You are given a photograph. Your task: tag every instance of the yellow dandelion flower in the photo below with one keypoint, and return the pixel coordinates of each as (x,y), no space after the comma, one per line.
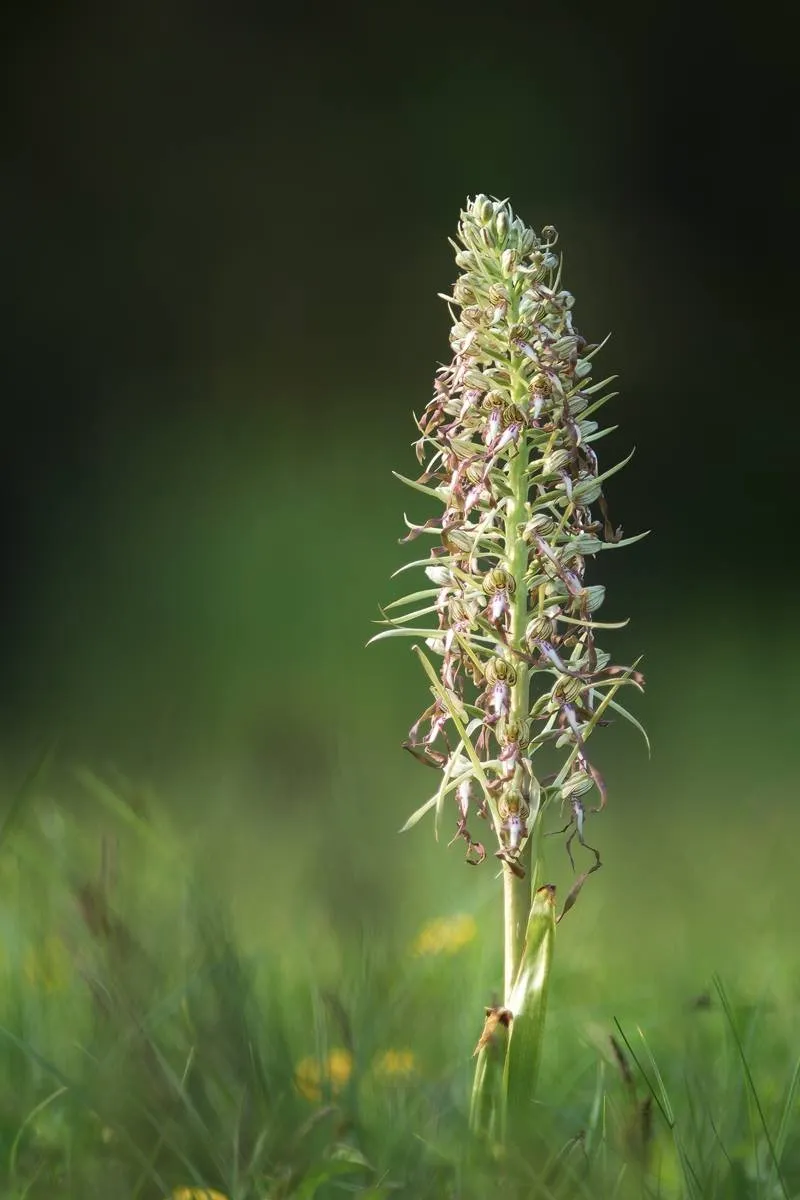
(195,1193)
(445,935)
(395,1066)
(311,1076)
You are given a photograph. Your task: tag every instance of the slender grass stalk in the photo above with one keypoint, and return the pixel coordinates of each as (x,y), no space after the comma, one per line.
(507,449)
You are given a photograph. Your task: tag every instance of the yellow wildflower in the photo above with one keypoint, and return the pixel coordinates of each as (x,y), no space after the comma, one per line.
(395,1066)
(311,1076)
(195,1193)
(445,935)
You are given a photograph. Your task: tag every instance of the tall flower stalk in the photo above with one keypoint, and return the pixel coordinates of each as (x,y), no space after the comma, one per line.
(507,450)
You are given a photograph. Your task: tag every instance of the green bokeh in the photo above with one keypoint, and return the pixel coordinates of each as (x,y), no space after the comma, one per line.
(203,627)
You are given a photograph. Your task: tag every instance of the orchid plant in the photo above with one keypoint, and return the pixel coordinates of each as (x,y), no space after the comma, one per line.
(506,630)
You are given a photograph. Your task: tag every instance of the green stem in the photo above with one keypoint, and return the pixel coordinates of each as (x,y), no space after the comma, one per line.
(516,907)
(517,891)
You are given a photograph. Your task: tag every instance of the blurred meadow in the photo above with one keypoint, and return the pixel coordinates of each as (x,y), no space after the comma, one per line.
(220,313)
(208,641)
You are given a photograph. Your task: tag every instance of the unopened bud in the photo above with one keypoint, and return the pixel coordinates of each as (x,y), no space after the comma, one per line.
(508,262)
(586,491)
(577,784)
(482,209)
(463,291)
(540,629)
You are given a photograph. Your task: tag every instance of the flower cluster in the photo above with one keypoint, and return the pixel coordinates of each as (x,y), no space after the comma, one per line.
(507,446)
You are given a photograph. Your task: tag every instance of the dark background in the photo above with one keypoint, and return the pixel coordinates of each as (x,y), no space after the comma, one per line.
(224,233)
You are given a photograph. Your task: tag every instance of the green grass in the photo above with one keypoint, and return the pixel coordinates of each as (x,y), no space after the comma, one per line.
(155,1036)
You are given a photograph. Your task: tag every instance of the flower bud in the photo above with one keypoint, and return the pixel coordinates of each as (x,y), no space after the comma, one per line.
(576,784)
(586,491)
(540,629)
(508,261)
(584,544)
(462,539)
(519,236)
(527,241)
(566,346)
(463,291)
(442,576)
(541,524)
(482,210)
(590,599)
(555,462)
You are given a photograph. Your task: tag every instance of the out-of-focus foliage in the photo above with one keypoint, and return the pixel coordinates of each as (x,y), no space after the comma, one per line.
(154,1047)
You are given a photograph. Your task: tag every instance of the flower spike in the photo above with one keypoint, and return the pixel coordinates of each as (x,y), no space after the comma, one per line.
(507,450)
